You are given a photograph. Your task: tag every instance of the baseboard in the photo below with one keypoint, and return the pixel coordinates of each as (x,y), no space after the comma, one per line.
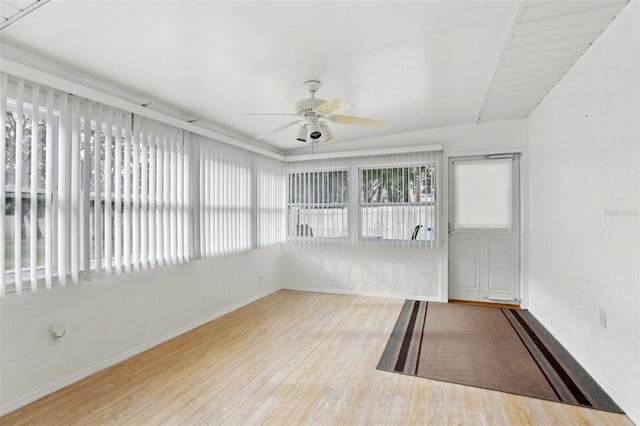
(363,293)
(60,384)
(627,406)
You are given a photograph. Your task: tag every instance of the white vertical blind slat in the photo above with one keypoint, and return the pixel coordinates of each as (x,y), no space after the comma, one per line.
(3,158)
(144,190)
(117,210)
(33,219)
(219,191)
(258,203)
(159,195)
(405,183)
(202,188)
(220,225)
(49,201)
(234,204)
(183,193)
(135,189)
(86,192)
(64,190)
(266,226)
(250,203)
(75,190)
(124,123)
(227,230)
(17,229)
(173,200)
(217,183)
(187,172)
(206,192)
(230,205)
(178,229)
(216,214)
(247,195)
(220,232)
(241,195)
(152,194)
(166,197)
(108,212)
(195,217)
(97,192)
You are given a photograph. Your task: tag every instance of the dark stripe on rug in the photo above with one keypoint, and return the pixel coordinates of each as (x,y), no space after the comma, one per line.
(589,387)
(406,342)
(542,370)
(424,321)
(390,354)
(568,382)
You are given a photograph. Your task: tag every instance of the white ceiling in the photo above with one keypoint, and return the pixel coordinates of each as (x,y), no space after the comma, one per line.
(416,65)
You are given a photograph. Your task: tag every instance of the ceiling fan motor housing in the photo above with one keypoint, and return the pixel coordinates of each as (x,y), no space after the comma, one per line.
(306,106)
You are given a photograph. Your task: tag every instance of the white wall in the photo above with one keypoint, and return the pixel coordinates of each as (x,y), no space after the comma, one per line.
(374,269)
(584,200)
(377,269)
(112,318)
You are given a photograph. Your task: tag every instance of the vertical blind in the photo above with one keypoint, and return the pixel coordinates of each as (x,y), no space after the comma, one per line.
(270,187)
(319,201)
(89,189)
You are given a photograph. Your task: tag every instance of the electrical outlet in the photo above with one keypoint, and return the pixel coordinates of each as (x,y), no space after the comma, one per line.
(260,279)
(603,318)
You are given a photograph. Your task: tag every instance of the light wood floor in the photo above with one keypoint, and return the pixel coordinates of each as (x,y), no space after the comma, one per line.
(290,358)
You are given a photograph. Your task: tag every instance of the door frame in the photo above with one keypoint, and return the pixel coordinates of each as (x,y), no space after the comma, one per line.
(524,217)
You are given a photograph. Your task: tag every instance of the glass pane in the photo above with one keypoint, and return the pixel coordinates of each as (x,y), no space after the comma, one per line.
(483,194)
(396,185)
(398,222)
(318,187)
(323,222)
(318,204)
(397,203)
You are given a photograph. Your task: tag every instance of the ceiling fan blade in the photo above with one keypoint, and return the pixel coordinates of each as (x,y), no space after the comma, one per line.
(357,121)
(331,106)
(295,115)
(277,129)
(329,141)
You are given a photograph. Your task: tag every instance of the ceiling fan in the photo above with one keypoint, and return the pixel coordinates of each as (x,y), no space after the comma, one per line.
(316,112)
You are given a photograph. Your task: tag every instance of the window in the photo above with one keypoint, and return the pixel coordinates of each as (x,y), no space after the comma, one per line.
(225,200)
(270,188)
(89,189)
(395,199)
(29,139)
(483,193)
(398,203)
(318,204)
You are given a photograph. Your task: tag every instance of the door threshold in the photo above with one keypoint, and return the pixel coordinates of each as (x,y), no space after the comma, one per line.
(487,304)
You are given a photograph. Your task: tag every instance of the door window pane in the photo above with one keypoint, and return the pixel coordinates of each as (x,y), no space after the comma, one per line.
(483,194)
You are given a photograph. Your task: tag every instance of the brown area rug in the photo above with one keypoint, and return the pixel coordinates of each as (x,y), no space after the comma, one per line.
(501,349)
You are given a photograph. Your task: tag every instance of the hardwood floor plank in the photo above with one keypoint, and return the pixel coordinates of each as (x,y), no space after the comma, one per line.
(290,358)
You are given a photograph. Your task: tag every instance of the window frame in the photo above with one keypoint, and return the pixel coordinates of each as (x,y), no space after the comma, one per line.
(345,204)
(433,203)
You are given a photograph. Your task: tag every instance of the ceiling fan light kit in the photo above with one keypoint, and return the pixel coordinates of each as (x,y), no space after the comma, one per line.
(302,133)
(314,128)
(314,111)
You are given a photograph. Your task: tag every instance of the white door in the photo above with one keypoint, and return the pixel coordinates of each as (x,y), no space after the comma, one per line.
(484,228)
